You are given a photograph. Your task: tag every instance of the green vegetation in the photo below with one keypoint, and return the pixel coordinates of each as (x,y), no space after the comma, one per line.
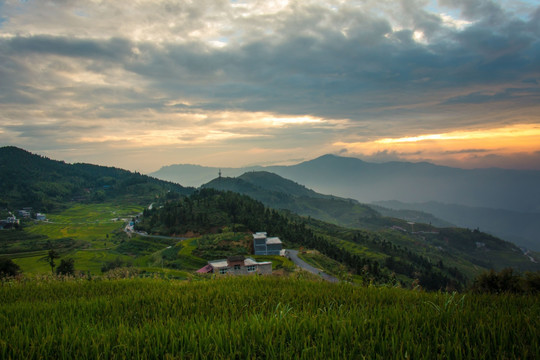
(434,258)
(218,224)
(507,281)
(30,180)
(279,193)
(323,262)
(259,317)
(8,268)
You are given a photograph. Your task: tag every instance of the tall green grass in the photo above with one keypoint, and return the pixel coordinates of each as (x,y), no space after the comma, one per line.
(258,317)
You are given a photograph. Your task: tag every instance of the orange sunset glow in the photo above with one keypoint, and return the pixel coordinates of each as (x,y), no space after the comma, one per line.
(455,146)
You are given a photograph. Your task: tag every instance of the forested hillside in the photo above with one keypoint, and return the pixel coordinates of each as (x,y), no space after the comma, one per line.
(280,193)
(386,256)
(30,180)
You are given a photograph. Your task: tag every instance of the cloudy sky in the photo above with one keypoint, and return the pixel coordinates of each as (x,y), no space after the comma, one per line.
(144,83)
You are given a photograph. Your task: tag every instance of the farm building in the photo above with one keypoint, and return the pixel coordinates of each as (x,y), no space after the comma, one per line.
(237,265)
(264,245)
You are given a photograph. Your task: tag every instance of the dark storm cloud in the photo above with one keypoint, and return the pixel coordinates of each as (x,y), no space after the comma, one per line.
(310,64)
(113,49)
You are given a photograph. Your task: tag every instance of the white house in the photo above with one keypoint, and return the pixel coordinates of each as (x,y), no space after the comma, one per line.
(263,245)
(237,265)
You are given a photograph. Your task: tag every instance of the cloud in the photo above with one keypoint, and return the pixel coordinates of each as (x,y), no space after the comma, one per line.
(325,72)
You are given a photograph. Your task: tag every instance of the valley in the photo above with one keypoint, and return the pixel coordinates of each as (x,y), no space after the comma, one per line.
(188,227)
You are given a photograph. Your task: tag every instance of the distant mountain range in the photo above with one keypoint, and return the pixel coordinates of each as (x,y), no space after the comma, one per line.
(516,190)
(513,195)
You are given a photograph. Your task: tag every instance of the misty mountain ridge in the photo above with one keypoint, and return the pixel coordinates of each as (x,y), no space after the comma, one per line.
(512,195)
(515,190)
(519,227)
(279,193)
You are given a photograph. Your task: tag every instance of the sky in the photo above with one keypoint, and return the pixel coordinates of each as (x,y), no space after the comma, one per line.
(145,83)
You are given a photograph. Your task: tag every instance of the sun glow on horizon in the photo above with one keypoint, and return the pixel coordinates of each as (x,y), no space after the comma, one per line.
(505,132)
(459,146)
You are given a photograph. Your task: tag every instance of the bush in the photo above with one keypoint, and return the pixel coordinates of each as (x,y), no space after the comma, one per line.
(110,265)
(66,267)
(8,268)
(506,281)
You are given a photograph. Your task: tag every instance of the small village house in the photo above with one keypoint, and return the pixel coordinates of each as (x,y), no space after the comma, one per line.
(237,265)
(263,245)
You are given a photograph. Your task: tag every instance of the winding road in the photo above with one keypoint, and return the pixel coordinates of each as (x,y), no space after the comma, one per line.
(293,255)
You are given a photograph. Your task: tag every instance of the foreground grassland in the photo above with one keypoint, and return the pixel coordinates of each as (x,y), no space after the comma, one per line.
(258,317)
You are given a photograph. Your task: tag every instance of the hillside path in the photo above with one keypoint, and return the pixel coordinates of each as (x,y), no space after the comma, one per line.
(293,255)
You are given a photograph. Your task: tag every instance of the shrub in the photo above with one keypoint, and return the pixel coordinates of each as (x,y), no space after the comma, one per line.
(8,268)
(66,267)
(506,281)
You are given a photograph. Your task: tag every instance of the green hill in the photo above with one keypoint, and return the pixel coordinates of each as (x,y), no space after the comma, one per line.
(437,258)
(30,180)
(279,193)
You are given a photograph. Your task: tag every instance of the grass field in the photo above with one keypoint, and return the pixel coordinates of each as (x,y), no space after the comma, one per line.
(259,318)
(87,222)
(92,235)
(323,262)
(88,233)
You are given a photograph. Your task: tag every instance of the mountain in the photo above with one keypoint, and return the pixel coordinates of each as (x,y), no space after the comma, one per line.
(30,180)
(196,175)
(515,190)
(519,227)
(279,193)
(409,214)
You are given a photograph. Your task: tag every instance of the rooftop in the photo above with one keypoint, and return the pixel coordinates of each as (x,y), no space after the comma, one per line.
(273,240)
(222,263)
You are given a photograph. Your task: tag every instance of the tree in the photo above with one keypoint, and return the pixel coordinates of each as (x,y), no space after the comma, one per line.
(50,258)
(8,268)
(506,281)
(66,267)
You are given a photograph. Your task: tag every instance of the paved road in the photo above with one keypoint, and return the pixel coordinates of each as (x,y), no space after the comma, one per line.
(293,255)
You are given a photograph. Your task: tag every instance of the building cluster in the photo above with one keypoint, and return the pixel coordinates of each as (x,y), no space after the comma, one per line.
(237,265)
(9,223)
(12,221)
(240,265)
